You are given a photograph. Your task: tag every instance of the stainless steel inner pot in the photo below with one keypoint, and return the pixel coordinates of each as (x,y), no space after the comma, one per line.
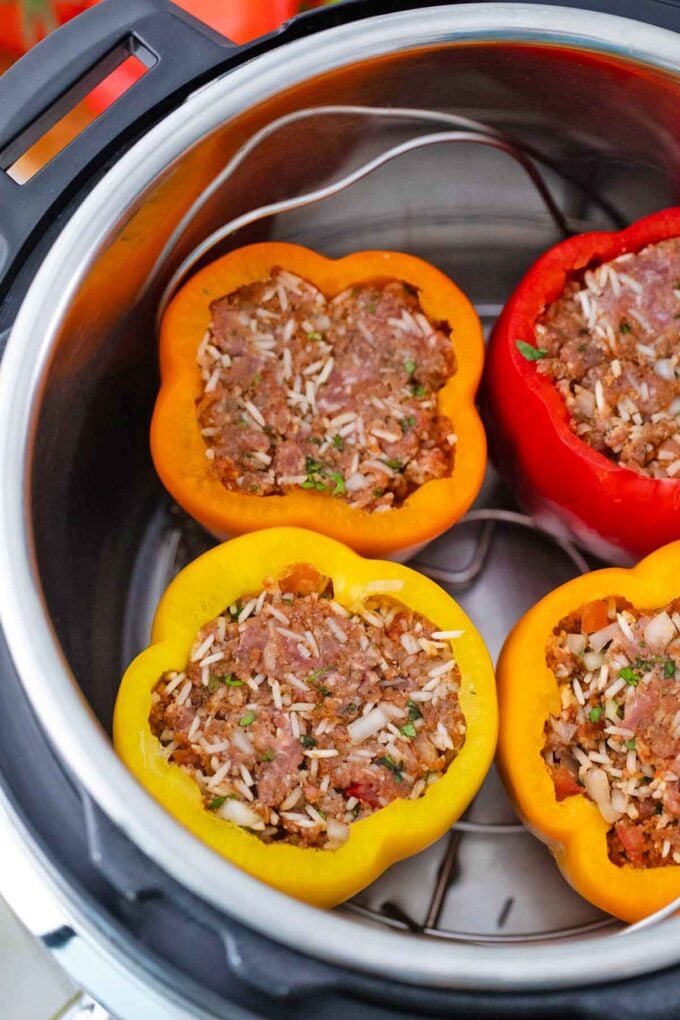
(88,538)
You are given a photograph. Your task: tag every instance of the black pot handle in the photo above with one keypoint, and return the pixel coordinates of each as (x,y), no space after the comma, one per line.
(182,52)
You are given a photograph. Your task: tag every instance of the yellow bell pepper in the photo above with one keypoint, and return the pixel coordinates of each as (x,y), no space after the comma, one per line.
(199,594)
(573,828)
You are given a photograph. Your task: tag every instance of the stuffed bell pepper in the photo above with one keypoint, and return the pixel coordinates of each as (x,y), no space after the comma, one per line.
(335,395)
(583,388)
(311,715)
(589,690)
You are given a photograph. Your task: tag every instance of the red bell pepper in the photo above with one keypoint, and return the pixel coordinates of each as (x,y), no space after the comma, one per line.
(566,484)
(25,22)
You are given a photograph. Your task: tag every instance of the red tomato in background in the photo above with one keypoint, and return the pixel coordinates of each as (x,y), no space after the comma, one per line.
(238,20)
(25,22)
(242,20)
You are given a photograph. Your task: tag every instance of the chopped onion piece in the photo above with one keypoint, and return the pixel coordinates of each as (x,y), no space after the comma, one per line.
(237,811)
(576,643)
(366,725)
(593,660)
(601,637)
(584,401)
(597,784)
(665,368)
(564,730)
(660,631)
(619,801)
(356,482)
(609,814)
(338,833)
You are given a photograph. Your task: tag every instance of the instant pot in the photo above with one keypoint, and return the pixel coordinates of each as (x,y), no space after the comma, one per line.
(474,135)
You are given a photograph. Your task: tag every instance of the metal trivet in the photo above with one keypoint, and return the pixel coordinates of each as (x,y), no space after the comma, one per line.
(182,540)
(448,871)
(468,131)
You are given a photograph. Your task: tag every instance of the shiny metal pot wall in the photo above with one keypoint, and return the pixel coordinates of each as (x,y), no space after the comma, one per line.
(79,560)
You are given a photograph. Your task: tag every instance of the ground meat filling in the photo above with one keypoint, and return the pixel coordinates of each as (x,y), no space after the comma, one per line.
(617,738)
(296,716)
(336,396)
(613,345)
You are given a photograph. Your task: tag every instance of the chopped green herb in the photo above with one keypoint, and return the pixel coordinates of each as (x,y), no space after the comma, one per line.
(319,672)
(351,707)
(581,348)
(315,440)
(253,488)
(371,307)
(229,680)
(643,665)
(307,741)
(247,719)
(325,693)
(529,352)
(338,442)
(624,327)
(407,423)
(395,767)
(235,609)
(669,668)
(395,463)
(315,336)
(413,710)
(419,391)
(216,803)
(257,379)
(356,809)
(620,711)
(213,683)
(630,745)
(629,675)
(410,366)
(595,714)
(377,493)
(408,730)
(314,470)
(340,487)
(268,755)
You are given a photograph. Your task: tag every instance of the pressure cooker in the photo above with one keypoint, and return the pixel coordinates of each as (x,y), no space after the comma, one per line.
(334,132)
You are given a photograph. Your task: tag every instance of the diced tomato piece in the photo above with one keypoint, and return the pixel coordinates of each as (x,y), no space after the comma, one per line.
(565,783)
(303,579)
(594,616)
(632,839)
(364,793)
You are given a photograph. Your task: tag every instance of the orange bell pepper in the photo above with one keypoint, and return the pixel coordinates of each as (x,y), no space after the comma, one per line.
(573,827)
(199,594)
(178,448)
